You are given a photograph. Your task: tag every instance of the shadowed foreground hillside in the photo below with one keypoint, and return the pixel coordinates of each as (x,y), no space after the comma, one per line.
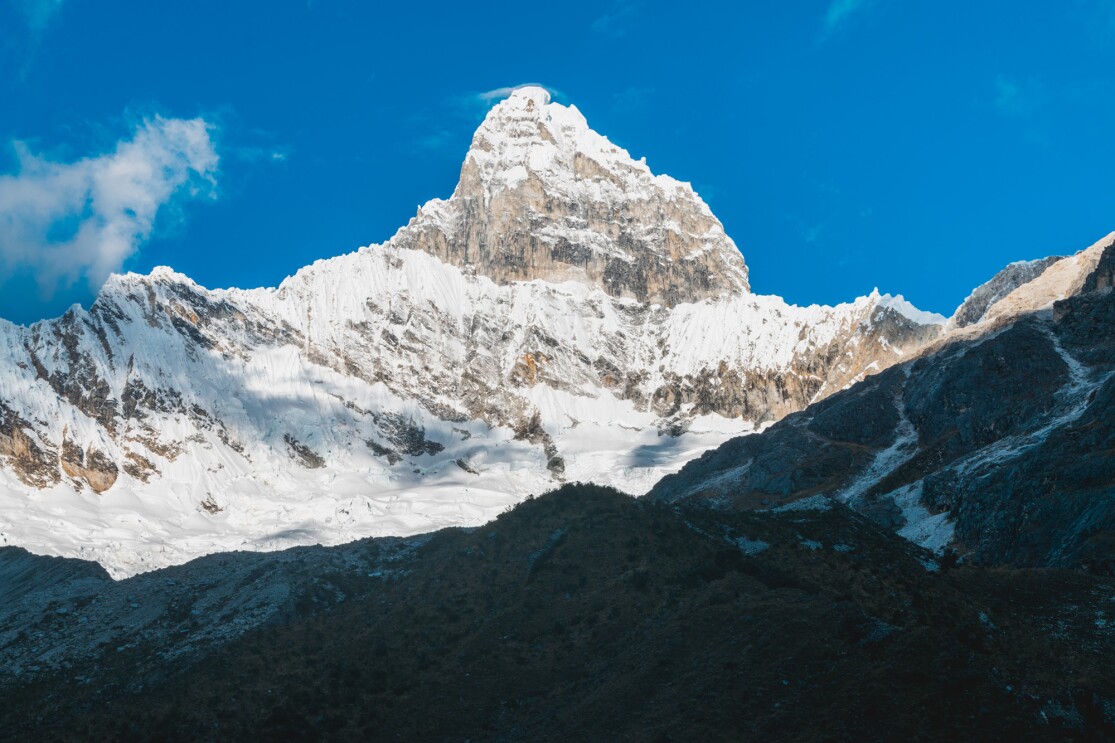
(586,615)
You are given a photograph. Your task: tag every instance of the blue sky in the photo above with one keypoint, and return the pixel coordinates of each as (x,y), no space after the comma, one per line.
(912,145)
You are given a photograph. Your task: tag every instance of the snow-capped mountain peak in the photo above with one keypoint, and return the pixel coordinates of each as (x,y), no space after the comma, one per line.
(566,314)
(527,134)
(543,196)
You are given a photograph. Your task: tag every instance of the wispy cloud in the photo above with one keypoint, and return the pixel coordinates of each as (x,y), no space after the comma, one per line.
(811,233)
(449,130)
(488,97)
(68,222)
(841,12)
(255,154)
(616,21)
(37,16)
(1018,97)
(39,13)
(474,106)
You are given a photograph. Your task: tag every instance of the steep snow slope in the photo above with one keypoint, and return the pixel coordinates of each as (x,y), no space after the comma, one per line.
(422,383)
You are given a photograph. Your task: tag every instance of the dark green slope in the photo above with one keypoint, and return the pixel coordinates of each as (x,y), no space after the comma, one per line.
(586,615)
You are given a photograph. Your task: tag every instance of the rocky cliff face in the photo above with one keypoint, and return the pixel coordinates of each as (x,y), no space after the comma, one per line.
(996,443)
(1003,283)
(565,315)
(542,196)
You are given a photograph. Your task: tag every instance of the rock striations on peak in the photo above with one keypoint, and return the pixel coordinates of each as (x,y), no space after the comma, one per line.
(543,196)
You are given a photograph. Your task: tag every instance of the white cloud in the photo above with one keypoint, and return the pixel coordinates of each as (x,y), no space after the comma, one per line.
(497,94)
(466,111)
(476,105)
(65,222)
(840,11)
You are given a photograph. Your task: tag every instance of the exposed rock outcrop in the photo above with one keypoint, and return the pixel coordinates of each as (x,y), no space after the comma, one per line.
(26,455)
(89,465)
(542,196)
(1003,283)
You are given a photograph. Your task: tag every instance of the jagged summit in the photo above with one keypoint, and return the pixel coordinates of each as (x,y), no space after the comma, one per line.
(526,134)
(543,196)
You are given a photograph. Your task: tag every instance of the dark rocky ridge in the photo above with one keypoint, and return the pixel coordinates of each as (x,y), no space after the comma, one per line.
(1001,284)
(1009,433)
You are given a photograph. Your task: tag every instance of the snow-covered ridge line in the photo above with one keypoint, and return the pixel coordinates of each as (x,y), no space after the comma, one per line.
(381,392)
(587,321)
(899,304)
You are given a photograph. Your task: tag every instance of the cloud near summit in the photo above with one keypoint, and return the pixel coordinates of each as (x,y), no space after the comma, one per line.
(68,222)
(497,94)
